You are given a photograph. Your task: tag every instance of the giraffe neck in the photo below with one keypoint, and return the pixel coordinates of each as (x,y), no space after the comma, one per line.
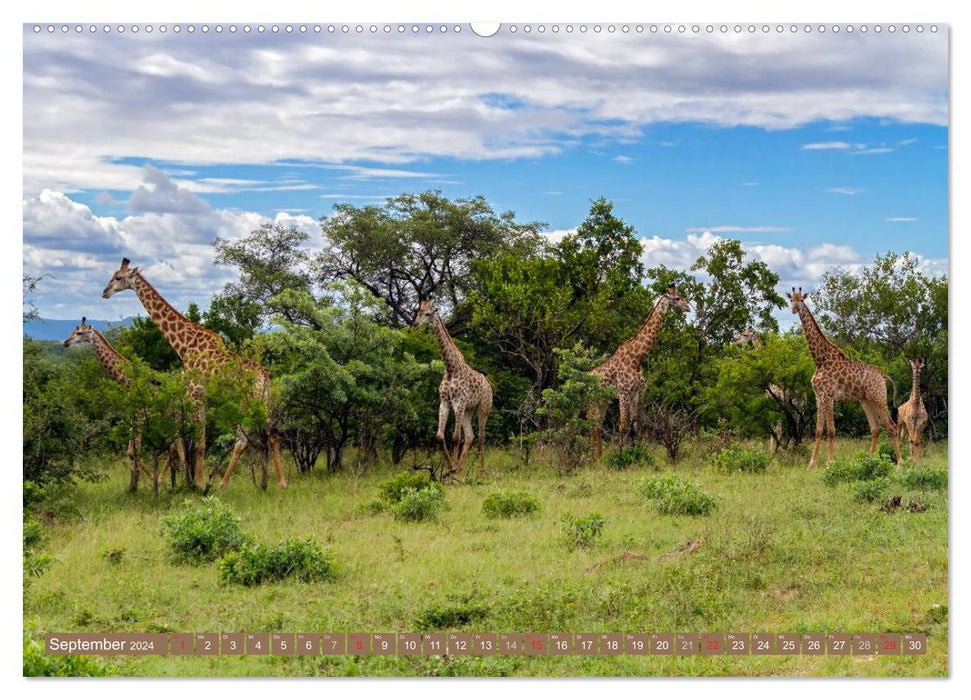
(820,347)
(109,358)
(641,343)
(192,343)
(451,355)
(915,385)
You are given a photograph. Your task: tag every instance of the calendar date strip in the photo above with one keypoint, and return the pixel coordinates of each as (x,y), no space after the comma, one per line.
(486,644)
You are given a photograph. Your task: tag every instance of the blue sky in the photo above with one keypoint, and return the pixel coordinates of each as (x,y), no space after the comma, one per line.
(812,150)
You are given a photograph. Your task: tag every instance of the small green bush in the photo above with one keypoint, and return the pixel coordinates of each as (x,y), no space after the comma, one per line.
(38,663)
(582,531)
(509,504)
(258,563)
(452,614)
(636,455)
(871,491)
(417,505)
(672,495)
(395,488)
(36,561)
(737,459)
(864,467)
(925,478)
(203,532)
(885,449)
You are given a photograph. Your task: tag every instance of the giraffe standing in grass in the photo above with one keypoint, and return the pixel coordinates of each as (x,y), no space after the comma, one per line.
(115,365)
(463,391)
(200,349)
(622,370)
(837,378)
(912,416)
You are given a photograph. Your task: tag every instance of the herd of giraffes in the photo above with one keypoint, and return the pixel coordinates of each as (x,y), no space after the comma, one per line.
(466,393)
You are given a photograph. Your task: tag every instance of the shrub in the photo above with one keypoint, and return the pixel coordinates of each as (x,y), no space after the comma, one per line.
(634,456)
(737,459)
(509,504)
(395,488)
(417,505)
(885,449)
(36,562)
(673,495)
(582,531)
(458,612)
(257,563)
(871,491)
(864,467)
(203,532)
(38,662)
(925,478)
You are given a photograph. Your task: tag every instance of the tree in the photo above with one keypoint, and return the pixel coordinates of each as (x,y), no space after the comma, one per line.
(270,259)
(417,246)
(587,286)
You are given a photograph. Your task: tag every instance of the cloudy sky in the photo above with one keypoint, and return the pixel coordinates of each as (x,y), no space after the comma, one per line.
(814,149)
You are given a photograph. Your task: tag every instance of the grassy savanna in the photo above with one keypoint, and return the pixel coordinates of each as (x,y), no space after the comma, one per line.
(780,552)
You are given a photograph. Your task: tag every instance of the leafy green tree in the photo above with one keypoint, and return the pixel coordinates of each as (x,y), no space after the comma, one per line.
(587,286)
(417,246)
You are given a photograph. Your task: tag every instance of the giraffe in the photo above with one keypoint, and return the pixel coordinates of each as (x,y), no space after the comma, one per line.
(772,391)
(912,416)
(837,378)
(622,370)
(463,391)
(115,365)
(203,350)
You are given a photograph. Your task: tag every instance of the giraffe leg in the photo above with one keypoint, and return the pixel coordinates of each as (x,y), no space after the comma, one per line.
(468,437)
(274,439)
(831,429)
(238,449)
(624,420)
(820,420)
(440,434)
(200,451)
(871,418)
(884,415)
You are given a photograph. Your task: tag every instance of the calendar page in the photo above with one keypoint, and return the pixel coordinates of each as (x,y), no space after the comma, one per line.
(521,349)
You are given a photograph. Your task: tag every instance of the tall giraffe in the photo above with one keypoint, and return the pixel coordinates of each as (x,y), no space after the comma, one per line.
(622,370)
(912,416)
(463,391)
(115,365)
(772,391)
(200,349)
(837,378)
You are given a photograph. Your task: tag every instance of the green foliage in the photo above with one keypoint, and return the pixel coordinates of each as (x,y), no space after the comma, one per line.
(565,408)
(925,478)
(419,505)
(635,455)
(864,467)
(455,613)
(885,449)
(510,504)
(143,339)
(38,663)
(257,563)
(36,561)
(582,531)
(871,491)
(737,459)
(203,532)
(673,495)
(393,489)
(416,246)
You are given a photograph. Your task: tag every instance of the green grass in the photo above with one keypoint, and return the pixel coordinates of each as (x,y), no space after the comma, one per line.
(782,552)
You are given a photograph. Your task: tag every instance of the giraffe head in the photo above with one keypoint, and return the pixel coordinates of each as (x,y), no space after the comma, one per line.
(121,280)
(82,334)
(798,299)
(749,335)
(916,363)
(674,300)
(427,311)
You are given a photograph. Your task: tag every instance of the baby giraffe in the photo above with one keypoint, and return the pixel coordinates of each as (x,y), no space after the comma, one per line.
(912,416)
(463,391)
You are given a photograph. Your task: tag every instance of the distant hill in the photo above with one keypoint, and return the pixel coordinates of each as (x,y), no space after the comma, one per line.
(60,329)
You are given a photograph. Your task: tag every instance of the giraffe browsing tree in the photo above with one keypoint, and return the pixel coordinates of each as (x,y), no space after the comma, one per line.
(117,366)
(622,370)
(912,416)
(463,392)
(203,351)
(837,378)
